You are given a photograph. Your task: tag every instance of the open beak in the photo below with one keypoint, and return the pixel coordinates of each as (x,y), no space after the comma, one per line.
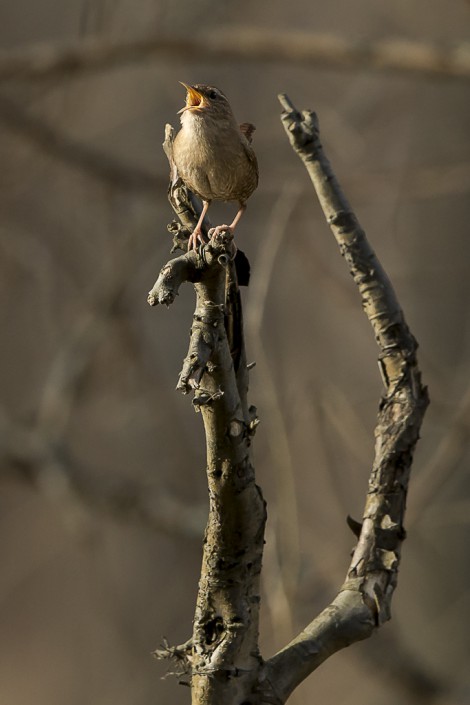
(194,99)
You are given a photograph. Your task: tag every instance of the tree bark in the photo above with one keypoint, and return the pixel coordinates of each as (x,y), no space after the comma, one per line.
(223,656)
(364,601)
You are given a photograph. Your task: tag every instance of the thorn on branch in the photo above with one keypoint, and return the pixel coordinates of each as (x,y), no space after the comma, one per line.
(254,420)
(355,526)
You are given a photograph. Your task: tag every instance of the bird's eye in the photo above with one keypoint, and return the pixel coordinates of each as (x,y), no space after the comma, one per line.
(213,95)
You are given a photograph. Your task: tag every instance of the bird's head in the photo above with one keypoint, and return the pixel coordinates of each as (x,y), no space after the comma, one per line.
(201,99)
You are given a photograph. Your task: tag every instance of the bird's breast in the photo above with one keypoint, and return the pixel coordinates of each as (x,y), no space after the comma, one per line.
(215,160)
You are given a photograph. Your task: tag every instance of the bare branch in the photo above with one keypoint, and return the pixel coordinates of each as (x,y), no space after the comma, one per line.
(240,43)
(364,600)
(224,646)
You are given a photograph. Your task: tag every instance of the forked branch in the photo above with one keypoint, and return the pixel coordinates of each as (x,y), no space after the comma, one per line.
(223,655)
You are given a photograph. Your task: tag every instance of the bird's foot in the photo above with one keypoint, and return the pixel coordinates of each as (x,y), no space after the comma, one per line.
(222,236)
(195,238)
(217,231)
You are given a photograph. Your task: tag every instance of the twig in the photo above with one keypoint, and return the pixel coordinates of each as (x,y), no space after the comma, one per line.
(241,43)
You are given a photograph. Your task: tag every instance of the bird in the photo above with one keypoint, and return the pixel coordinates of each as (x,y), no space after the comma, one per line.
(213,155)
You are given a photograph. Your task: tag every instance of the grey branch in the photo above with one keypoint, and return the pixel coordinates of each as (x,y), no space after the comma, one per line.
(223,655)
(240,43)
(363,602)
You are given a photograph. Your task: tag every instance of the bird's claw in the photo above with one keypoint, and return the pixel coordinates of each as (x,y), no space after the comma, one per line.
(219,229)
(222,236)
(195,238)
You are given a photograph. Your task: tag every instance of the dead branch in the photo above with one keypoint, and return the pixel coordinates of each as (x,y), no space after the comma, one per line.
(224,660)
(224,647)
(363,603)
(240,43)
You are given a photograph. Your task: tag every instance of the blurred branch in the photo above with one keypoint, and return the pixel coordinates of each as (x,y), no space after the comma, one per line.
(72,361)
(52,141)
(240,43)
(287,535)
(39,452)
(431,181)
(46,465)
(445,460)
(411,680)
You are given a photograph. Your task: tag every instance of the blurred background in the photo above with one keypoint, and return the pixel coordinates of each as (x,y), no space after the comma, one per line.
(103,489)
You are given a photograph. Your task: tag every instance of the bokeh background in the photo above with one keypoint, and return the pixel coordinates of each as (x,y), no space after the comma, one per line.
(103,490)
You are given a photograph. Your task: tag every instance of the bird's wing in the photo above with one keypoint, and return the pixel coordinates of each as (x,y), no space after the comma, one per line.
(247,129)
(168,149)
(252,175)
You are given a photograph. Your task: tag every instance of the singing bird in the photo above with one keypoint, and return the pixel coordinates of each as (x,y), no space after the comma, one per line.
(213,154)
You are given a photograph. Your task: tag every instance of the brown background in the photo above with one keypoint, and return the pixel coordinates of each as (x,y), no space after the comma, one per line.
(88,587)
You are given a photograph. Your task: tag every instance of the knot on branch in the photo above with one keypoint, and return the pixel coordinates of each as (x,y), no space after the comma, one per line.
(206,332)
(253,420)
(205,335)
(180,234)
(345,221)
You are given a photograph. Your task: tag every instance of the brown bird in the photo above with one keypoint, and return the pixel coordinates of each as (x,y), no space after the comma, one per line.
(213,154)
